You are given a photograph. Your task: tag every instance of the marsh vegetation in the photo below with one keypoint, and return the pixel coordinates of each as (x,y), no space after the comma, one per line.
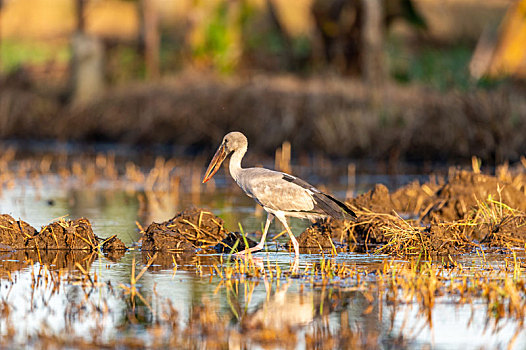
(420,252)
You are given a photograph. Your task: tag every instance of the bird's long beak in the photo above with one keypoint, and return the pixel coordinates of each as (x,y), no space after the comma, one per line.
(215,163)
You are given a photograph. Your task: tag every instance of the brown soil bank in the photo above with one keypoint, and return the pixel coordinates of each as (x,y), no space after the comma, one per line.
(328,115)
(441,217)
(60,235)
(437,218)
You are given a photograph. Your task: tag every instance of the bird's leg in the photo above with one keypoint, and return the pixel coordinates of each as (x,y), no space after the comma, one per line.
(261,243)
(291,235)
(295,266)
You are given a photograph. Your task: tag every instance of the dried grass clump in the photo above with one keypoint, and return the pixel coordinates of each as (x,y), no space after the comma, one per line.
(400,237)
(495,224)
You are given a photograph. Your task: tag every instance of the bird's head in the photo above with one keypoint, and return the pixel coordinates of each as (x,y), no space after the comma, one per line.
(231,142)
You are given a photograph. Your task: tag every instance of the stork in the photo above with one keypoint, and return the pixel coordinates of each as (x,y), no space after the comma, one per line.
(280,194)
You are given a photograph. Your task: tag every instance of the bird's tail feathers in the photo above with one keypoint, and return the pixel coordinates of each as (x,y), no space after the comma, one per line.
(333,207)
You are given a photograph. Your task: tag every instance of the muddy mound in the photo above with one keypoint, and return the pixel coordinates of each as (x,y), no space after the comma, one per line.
(376,200)
(160,237)
(415,198)
(316,238)
(233,243)
(113,244)
(59,235)
(70,234)
(188,230)
(410,199)
(445,201)
(113,248)
(14,234)
(387,234)
(465,190)
(440,218)
(369,232)
(434,240)
(326,234)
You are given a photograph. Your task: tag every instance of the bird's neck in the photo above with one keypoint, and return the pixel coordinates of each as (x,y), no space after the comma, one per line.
(235,162)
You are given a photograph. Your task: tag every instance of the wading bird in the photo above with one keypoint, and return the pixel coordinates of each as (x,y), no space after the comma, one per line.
(280,194)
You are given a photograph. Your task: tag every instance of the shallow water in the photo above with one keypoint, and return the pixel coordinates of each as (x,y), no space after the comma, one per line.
(45,303)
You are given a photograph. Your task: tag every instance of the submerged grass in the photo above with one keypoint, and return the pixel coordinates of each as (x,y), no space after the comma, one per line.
(422,283)
(289,314)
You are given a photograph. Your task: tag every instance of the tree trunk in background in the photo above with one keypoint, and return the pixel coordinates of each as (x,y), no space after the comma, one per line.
(282,31)
(87,68)
(1,3)
(373,31)
(149,37)
(87,62)
(80,14)
(339,24)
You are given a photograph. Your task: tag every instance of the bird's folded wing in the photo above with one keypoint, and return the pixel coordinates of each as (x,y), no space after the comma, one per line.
(271,190)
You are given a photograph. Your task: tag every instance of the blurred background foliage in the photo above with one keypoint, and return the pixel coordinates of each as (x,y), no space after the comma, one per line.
(423,38)
(79,51)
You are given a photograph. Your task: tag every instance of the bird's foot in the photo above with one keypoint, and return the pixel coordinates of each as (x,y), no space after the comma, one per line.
(250,250)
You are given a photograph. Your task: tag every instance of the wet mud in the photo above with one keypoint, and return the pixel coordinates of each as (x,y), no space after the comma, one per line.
(113,248)
(187,231)
(466,190)
(190,231)
(60,235)
(75,234)
(14,234)
(319,237)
